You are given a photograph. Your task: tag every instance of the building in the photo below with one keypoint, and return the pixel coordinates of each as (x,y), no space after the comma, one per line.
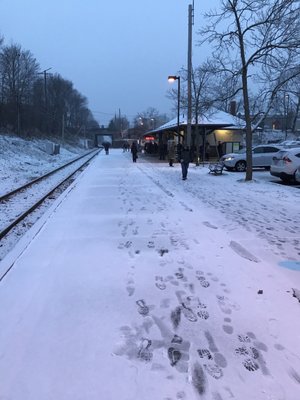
(215,127)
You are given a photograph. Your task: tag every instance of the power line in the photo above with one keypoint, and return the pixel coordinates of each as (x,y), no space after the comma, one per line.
(113,114)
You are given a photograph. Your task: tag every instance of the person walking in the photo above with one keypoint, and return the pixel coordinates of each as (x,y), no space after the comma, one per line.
(185,158)
(106,147)
(171,152)
(134,150)
(162,151)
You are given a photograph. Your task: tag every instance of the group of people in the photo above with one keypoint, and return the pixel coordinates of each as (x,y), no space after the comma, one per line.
(180,152)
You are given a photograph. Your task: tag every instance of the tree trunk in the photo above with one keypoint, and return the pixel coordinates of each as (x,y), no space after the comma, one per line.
(248,127)
(296,115)
(245,96)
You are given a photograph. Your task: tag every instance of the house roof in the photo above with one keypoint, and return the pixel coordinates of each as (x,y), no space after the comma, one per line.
(213,118)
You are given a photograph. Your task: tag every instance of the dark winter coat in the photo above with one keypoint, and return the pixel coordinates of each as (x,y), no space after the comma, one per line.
(185,155)
(134,148)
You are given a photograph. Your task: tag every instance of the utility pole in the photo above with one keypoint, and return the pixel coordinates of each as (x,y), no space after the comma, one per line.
(18,95)
(189,63)
(45,95)
(63,128)
(120,123)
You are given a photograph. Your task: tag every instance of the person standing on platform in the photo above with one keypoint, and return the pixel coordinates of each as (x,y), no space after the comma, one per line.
(171,152)
(106,147)
(185,158)
(134,151)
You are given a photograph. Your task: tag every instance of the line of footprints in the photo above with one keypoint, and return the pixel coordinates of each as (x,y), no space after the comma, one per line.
(193,309)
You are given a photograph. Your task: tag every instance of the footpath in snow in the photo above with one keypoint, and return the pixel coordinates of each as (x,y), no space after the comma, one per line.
(137,285)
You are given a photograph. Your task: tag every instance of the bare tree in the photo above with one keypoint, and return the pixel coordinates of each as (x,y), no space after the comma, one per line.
(293,90)
(261,37)
(118,124)
(210,88)
(23,92)
(149,119)
(19,70)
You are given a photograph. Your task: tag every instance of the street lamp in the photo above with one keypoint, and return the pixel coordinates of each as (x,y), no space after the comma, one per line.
(153,122)
(173,78)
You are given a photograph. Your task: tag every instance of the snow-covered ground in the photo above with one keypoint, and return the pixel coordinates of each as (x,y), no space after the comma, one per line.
(137,285)
(23,160)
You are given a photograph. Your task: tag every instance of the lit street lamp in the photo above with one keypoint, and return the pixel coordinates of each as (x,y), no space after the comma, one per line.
(153,122)
(173,78)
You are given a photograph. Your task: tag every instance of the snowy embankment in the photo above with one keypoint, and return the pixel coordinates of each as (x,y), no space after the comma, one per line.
(22,161)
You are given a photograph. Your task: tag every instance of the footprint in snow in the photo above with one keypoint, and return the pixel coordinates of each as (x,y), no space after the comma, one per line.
(159,283)
(142,308)
(209,225)
(144,352)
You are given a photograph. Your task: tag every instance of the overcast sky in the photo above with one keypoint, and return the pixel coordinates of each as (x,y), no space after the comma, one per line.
(117,53)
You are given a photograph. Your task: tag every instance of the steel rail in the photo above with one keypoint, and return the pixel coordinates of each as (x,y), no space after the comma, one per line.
(40,178)
(8,228)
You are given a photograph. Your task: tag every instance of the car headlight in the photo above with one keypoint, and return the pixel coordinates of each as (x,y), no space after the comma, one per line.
(228,158)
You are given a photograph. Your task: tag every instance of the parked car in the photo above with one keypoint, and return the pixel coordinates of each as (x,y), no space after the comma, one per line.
(297,175)
(262,156)
(290,143)
(285,164)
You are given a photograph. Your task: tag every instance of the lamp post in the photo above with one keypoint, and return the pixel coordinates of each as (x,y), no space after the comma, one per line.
(153,123)
(173,78)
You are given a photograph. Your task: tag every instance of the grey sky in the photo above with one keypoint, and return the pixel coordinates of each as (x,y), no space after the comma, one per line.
(117,53)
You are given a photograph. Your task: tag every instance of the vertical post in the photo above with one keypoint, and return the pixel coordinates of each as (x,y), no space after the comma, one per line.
(46,97)
(203,146)
(18,115)
(189,63)
(18,96)
(173,78)
(45,90)
(120,123)
(178,110)
(46,100)
(63,127)
(286,107)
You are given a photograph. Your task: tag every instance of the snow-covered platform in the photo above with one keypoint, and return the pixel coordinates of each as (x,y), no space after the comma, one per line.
(139,286)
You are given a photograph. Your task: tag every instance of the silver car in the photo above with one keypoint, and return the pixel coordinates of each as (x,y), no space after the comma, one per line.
(262,156)
(285,164)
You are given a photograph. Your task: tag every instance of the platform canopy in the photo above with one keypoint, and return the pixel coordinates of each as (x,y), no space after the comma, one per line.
(212,119)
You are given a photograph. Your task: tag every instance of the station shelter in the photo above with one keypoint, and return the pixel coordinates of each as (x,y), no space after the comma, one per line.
(225,133)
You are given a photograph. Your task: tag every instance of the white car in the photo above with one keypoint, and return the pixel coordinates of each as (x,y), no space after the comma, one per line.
(290,143)
(285,164)
(262,156)
(297,175)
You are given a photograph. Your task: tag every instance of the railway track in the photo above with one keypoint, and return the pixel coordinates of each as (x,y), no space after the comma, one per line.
(19,203)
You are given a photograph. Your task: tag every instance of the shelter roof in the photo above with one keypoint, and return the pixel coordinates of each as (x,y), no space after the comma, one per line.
(212,119)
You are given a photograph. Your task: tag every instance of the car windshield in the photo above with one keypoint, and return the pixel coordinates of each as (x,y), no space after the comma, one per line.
(241,151)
